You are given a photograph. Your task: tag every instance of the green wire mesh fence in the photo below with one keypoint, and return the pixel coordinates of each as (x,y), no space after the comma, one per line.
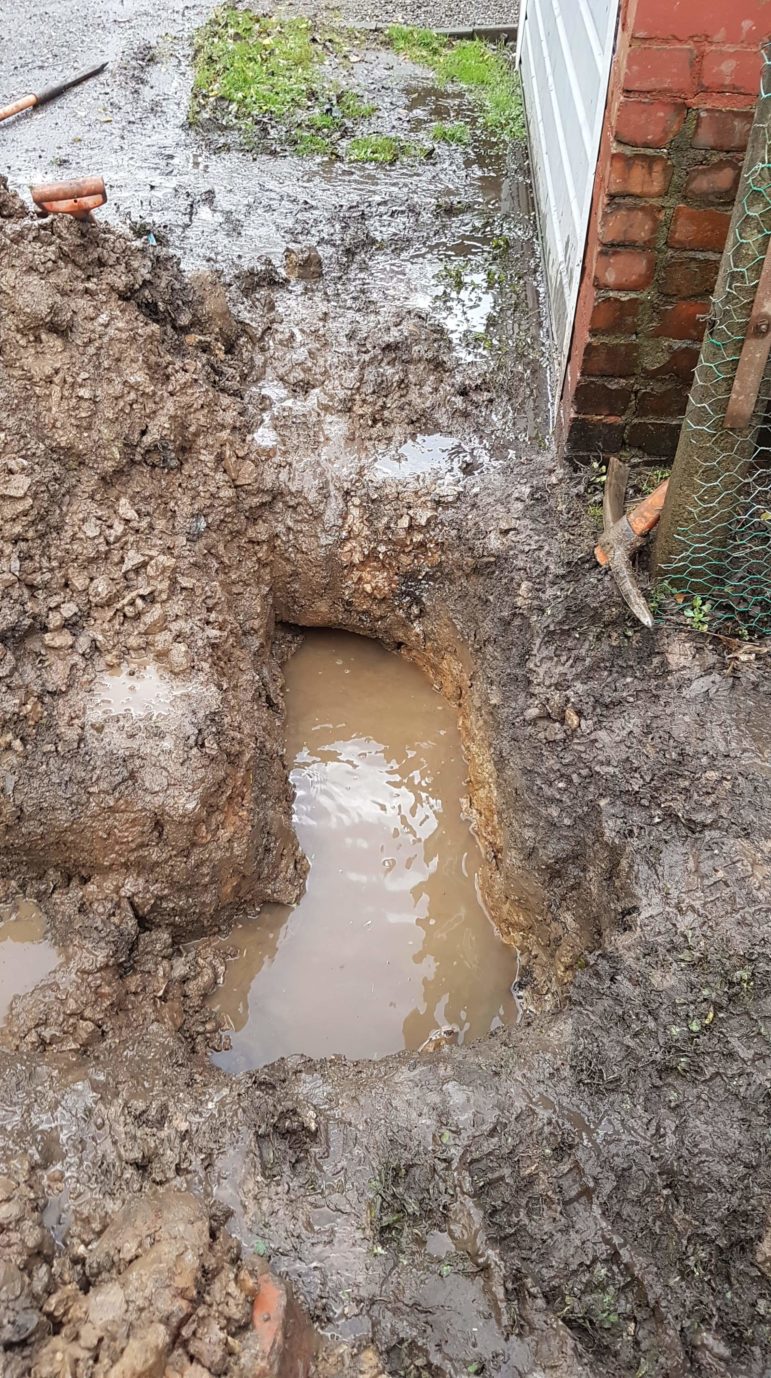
(714,546)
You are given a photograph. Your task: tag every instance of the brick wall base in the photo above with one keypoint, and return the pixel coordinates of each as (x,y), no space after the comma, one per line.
(680,108)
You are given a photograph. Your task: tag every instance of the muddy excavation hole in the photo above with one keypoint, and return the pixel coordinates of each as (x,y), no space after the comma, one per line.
(390,946)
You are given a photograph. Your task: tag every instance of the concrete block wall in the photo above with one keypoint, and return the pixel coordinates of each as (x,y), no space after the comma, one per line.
(680,107)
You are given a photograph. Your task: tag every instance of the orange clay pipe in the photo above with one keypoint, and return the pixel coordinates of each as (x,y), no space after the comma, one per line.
(78,198)
(50,93)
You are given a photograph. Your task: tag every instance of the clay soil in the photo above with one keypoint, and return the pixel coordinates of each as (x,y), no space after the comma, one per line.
(199,454)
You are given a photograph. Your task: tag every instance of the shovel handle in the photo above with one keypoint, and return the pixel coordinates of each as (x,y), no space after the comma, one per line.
(50,93)
(23,103)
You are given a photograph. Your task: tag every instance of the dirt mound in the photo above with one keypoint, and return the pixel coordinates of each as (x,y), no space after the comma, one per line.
(140,727)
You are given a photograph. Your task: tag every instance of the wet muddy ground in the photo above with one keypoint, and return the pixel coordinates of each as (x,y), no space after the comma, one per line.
(196,460)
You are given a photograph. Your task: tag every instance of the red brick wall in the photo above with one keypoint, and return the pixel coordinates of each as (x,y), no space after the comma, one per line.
(682,93)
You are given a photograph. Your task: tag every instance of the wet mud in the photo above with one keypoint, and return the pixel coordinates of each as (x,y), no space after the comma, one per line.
(300,425)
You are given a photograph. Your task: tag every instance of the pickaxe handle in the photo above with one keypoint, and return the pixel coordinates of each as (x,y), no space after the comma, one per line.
(50,93)
(630,529)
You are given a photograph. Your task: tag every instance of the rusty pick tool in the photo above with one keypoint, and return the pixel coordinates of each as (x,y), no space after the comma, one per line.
(50,93)
(624,533)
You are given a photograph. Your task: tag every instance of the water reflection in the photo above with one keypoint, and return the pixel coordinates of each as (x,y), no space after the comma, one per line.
(390,939)
(25,955)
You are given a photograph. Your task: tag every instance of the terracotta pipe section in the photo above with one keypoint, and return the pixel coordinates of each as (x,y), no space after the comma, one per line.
(60,191)
(78,198)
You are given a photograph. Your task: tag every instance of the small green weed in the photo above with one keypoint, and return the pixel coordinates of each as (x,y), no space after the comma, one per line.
(308,145)
(453,275)
(597,1309)
(381,148)
(652,478)
(458,133)
(698,613)
(486,71)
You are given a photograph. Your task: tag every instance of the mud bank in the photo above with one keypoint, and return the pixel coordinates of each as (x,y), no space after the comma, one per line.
(191,463)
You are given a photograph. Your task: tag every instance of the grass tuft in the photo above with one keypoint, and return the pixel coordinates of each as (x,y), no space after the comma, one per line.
(261,66)
(383,148)
(486,71)
(308,145)
(266,73)
(458,133)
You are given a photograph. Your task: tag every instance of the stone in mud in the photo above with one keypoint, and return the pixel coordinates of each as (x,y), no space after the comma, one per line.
(145,1355)
(19,1317)
(303,264)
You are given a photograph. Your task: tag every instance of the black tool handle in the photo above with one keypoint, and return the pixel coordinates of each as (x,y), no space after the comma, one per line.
(52,91)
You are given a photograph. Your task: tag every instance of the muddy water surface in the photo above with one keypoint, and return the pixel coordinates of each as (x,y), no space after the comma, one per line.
(25,955)
(391,940)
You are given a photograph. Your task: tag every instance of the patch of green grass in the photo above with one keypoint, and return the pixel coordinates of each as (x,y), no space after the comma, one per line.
(259,65)
(458,133)
(382,148)
(319,123)
(266,71)
(419,45)
(374,148)
(308,145)
(486,71)
(353,107)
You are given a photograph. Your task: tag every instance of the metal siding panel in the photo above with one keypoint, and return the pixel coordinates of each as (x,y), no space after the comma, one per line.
(551,207)
(565,57)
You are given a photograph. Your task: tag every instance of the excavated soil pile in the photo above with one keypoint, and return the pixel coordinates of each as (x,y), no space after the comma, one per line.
(583,1194)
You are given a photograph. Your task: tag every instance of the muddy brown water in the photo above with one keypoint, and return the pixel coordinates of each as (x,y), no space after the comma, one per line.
(25,954)
(391,940)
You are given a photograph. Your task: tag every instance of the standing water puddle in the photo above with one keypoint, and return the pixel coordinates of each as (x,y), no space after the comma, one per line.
(25,955)
(390,940)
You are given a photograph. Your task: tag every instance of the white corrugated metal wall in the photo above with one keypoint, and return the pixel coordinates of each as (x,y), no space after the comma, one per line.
(565,51)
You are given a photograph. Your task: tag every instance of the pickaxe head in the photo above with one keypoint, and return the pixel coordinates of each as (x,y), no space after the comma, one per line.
(624,533)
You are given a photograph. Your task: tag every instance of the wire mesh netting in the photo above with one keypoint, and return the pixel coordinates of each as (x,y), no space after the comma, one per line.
(716,553)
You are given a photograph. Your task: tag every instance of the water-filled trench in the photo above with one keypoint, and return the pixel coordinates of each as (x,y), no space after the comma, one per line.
(391,940)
